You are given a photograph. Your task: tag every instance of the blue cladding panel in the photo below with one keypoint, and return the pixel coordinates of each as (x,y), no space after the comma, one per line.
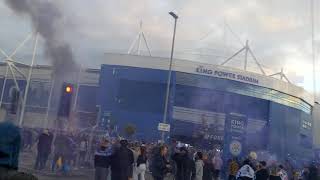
(37,97)
(286,134)
(8,89)
(87,98)
(134,96)
(1,84)
(141,96)
(38,94)
(220,101)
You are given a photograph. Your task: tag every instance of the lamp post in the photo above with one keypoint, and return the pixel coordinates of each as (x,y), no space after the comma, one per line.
(170,71)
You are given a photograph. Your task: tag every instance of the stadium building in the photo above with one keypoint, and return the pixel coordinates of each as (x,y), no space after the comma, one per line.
(209,105)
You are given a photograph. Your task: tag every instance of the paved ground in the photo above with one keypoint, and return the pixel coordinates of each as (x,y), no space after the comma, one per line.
(27,160)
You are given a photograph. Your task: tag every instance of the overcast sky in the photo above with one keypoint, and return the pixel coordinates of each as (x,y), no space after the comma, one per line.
(279,32)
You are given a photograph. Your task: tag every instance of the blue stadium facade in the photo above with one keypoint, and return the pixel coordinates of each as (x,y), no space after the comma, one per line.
(209,108)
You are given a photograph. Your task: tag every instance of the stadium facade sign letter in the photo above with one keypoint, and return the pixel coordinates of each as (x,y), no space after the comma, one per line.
(203,70)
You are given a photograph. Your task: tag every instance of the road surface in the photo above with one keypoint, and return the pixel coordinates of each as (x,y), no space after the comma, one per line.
(27,160)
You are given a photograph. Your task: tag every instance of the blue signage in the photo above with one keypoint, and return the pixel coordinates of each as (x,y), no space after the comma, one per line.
(235,135)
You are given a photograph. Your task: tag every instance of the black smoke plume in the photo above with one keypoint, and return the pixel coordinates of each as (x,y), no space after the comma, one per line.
(47,20)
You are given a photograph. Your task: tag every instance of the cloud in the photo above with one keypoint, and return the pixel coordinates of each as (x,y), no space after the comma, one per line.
(275,24)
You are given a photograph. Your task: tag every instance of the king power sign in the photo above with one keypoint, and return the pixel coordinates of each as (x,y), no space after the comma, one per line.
(227,75)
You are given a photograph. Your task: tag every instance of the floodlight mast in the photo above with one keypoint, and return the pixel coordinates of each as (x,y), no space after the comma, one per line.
(14,70)
(140,36)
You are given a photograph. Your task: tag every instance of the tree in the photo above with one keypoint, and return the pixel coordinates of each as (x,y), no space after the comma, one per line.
(130,130)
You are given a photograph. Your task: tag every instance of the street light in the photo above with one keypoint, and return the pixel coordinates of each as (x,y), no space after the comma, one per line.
(173,15)
(170,71)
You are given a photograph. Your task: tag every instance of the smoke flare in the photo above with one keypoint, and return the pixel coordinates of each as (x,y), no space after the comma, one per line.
(47,20)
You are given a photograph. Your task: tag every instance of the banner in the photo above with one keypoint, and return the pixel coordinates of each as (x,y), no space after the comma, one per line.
(235,135)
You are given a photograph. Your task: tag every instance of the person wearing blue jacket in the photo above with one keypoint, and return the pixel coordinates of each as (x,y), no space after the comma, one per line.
(10,140)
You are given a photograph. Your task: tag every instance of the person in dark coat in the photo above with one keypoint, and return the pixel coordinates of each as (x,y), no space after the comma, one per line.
(313,172)
(102,161)
(262,173)
(44,149)
(185,165)
(122,162)
(273,169)
(160,166)
(27,139)
(208,168)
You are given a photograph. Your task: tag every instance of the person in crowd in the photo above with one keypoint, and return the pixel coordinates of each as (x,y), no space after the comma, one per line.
(122,162)
(69,153)
(262,173)
(10,142)
(160,165)
(282,173)
(217,163)
(273,169)
(313,172)
(185,165)
(27,139)
(61,147)
(136,152)
(44,149)
(102,161)
(233,169)
(199,166)
(290,170)
(208,168)
(295,175)
(75,153)
(83,147)
(142,163)
(304,174)
(246,172)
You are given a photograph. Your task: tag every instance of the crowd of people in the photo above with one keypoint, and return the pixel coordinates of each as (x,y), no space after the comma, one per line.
(117,159)
(121,159)
(65,150)
(125,160)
